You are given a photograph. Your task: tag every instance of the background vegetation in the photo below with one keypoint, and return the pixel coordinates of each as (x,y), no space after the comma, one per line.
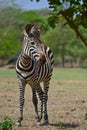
(68,50)
(72,12)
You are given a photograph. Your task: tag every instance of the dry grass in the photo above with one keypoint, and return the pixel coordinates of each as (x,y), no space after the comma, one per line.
(67,104)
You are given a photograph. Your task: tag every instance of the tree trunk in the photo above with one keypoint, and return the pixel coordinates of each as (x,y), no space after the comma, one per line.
(63,56)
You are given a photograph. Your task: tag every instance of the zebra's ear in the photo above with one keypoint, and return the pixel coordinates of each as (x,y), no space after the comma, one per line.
(28,28)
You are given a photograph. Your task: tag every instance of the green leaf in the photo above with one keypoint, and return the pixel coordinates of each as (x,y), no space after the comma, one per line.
(52,20)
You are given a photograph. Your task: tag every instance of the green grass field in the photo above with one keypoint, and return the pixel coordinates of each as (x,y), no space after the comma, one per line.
(67,104)
(70,74)
(58,74)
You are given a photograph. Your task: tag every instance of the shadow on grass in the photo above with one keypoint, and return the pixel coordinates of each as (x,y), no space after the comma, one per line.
(65,125)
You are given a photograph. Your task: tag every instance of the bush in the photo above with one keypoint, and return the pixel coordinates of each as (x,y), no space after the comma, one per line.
(6,124)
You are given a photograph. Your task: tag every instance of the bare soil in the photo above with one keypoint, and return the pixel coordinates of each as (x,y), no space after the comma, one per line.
(67,104)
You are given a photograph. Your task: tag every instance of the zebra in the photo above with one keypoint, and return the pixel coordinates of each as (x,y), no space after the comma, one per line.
(34,65)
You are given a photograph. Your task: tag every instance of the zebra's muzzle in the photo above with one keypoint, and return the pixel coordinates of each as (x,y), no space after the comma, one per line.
(42,59)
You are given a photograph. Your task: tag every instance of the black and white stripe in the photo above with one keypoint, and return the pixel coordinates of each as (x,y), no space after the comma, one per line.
(34,65)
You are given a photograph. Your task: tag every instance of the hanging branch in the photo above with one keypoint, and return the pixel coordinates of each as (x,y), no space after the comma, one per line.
(74,27)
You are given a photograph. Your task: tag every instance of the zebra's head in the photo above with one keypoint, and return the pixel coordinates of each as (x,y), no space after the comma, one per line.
(33,31)
(32,46)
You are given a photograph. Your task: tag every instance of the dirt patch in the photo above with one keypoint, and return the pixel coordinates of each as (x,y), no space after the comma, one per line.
(67,104)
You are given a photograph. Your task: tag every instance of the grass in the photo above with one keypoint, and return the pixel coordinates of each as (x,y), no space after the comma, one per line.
(70,74)
(58,74)
(7,73)
(60,126)
(86,116)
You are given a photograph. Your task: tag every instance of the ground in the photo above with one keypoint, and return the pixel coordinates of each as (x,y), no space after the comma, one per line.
(67,104)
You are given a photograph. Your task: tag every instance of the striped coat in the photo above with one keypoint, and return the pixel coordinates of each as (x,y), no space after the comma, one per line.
(34,65)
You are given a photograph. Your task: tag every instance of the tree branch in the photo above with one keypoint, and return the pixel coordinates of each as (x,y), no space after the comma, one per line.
(74,27)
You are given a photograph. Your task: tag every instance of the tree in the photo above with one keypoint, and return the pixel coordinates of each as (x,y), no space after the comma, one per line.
(67,49)
(12,22)
(72,12)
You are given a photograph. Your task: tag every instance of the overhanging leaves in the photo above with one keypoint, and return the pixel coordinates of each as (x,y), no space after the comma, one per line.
(73,11)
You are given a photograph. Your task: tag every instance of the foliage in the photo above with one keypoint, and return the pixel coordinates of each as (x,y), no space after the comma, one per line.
(65,45)
(10,40)
(62,40)
(72,12)
(12,22)
(6,124)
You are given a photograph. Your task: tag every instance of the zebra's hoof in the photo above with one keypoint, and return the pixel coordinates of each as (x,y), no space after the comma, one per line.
(38,124)
(18,124)
(46,122)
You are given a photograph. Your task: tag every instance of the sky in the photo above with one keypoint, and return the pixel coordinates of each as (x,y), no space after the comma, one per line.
(28,5)
(25,4)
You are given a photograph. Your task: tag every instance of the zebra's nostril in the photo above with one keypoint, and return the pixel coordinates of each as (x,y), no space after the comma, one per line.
(42,61)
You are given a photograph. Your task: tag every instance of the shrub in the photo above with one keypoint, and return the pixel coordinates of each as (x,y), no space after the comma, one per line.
(6,124)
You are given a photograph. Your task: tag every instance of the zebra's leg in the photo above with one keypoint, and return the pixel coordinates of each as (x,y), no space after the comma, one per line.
(45,99)
(35,101)
(21,100)
(40,94)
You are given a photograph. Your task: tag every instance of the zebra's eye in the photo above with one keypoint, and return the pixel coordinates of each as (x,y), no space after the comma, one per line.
(32,43)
